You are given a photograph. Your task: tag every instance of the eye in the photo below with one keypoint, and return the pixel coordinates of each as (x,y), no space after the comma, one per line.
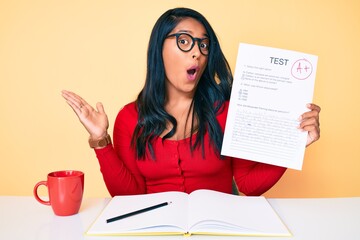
(204,45)
(184,40)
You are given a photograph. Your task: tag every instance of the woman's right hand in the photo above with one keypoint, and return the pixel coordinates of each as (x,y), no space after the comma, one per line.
(95,121)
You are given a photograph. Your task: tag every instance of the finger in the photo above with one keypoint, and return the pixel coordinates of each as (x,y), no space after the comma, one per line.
(74,107)
(77,101)
(65,94)
(313,132)
(311,114)
(307,125)
(309,122)
(314,107)
(73,100)
(100,108)
(69,96)
(74,103)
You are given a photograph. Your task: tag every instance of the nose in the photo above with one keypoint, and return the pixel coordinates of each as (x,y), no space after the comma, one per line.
(195,56)
(195,53)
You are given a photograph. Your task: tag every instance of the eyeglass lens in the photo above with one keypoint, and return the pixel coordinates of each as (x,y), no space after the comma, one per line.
(186,42)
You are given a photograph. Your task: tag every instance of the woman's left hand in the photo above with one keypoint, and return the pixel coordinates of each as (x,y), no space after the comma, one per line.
(309,121)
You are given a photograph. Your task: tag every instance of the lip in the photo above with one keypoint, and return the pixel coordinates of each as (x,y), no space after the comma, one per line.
(192,76)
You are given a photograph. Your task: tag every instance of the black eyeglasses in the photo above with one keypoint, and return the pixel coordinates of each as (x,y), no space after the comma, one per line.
(186,42)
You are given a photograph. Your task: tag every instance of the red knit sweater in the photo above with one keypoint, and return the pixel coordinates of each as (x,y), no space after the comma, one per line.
(176,168)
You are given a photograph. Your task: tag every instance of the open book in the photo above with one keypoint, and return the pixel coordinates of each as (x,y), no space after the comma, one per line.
(201,212)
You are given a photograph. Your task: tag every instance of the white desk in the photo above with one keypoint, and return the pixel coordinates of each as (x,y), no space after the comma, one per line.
(328,218)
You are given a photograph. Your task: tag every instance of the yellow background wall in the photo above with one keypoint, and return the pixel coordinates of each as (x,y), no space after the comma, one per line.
(98,49)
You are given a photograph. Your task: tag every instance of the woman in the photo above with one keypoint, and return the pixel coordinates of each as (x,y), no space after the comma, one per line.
(170,138)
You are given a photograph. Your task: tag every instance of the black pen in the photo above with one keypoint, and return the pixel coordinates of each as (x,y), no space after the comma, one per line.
(137,212)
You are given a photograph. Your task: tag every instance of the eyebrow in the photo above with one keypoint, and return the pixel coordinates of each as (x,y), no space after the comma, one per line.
(190,32)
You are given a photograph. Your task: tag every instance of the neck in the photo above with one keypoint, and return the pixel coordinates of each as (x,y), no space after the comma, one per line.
(181,109)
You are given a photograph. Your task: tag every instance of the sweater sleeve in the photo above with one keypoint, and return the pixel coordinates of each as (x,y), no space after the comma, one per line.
(117,162)
(253,178)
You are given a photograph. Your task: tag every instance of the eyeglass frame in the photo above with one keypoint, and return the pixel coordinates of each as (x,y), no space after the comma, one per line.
(194,39)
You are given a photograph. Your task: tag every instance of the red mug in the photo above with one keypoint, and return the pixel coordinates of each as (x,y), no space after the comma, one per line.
(65,190)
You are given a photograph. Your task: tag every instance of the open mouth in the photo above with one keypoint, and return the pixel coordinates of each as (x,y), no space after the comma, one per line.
(191,71)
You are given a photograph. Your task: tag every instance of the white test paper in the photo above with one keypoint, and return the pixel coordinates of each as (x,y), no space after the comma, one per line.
(270,91)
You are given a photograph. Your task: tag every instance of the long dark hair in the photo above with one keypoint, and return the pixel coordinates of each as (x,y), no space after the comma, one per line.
(213,89)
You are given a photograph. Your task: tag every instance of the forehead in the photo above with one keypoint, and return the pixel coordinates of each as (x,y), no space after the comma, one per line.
(191,26)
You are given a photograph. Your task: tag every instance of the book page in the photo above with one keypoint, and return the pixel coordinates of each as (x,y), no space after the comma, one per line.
(169,219)
(217,213)
(270,91)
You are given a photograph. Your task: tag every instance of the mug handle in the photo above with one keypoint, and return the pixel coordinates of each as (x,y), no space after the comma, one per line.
(36,193)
